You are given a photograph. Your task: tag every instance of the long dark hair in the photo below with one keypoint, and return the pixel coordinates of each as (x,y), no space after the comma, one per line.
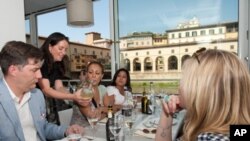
(128,85)
(52,40)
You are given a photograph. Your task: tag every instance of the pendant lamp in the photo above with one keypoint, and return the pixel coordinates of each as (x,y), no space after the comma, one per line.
(80,13)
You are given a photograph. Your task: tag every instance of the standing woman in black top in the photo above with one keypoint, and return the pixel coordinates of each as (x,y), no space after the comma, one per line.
(53,69)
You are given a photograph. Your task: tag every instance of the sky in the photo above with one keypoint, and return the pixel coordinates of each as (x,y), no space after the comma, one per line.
(155,16)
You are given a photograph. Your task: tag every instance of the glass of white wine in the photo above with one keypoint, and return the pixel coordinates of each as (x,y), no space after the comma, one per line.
(87,90)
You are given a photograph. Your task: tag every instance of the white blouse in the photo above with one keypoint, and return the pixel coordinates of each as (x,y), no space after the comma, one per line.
(119,98)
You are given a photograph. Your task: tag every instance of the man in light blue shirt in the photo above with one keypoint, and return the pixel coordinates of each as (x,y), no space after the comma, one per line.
(22,106)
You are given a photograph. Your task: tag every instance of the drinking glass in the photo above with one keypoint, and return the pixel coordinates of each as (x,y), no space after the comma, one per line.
(87,91)
(93,117)
(134,101)
(116,127)
(129,122)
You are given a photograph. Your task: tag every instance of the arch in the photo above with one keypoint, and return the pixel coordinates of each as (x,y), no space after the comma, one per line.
(148,64)
(172,63)
(184,58)
(127,64)
(137,64)
(159,63)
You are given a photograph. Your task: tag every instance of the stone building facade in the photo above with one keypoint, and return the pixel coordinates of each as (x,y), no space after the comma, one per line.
(160,56)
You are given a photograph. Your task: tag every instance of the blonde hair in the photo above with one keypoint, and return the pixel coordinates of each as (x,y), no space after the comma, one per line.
(216,93)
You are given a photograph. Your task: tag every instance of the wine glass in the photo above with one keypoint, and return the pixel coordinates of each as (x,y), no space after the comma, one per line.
(93,117)
(129,122)
(87,91)
(116,127)
(134,101)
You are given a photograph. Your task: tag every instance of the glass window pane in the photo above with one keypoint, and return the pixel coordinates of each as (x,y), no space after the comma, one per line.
(177,28)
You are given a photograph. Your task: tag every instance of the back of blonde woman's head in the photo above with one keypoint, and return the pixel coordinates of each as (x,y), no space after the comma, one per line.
(216,93)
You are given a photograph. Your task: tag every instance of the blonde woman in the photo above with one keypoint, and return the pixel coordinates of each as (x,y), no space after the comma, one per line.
(214,89)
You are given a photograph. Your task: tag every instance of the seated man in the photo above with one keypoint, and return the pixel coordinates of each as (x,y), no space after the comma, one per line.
(22,106)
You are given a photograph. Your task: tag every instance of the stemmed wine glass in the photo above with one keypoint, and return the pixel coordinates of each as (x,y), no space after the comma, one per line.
(93,117)
(129,122)
(116,127)
(134,101)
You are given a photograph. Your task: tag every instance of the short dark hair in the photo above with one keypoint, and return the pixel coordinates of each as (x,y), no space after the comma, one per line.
(18,53)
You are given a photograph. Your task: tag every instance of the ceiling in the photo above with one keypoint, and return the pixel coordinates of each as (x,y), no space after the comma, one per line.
(42,6)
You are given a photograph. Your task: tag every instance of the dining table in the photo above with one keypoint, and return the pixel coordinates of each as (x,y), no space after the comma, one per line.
(143,121)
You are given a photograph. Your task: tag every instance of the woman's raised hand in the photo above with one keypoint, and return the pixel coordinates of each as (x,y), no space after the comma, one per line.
(171,104)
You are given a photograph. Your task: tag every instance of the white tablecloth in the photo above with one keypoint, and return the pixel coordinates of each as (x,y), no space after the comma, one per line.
(140,123)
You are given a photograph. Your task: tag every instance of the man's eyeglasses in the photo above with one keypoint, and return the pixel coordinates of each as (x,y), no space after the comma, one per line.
(147,131)
(197,53)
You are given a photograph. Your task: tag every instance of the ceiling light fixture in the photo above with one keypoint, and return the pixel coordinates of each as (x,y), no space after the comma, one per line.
(80,13)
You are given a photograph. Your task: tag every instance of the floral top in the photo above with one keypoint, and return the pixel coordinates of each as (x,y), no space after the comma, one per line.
(77,117)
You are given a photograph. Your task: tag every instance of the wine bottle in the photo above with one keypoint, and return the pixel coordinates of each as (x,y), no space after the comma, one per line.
(144,100)
(149,106)
(110,121)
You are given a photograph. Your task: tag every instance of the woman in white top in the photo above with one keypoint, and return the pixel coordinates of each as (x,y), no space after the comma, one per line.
(115,91)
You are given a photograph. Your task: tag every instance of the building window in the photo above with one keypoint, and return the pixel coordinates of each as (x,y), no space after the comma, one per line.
(187,34)
(93,52)
(186,50)
(126,54)
(211,32)
(172,63)
(136,53)
(172,51)
(232,47)
(220,30)
(75,50)
(101,53)
(172,36)
(85,51)
(147,52)
(179,35)
(194,33)
(159,52)
(148,64)
(215,47)
(203,32)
